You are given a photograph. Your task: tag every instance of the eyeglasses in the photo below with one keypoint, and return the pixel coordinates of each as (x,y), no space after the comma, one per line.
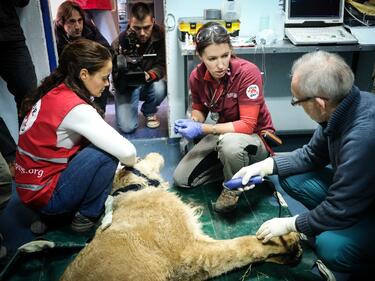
(206,33)
(296,101)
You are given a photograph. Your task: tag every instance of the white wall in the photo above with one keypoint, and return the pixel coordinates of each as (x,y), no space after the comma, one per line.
(32,24)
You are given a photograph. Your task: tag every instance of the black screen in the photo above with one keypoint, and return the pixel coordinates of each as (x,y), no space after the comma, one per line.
(314,8)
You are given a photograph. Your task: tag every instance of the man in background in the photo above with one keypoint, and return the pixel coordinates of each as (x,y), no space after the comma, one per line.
(72,23)
(142,47)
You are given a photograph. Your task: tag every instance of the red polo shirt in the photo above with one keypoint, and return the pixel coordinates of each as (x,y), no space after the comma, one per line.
(238,98)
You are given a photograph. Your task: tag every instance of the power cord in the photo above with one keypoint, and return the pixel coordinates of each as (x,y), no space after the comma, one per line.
(275,193)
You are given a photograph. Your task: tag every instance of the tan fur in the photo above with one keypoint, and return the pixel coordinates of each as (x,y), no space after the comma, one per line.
(155,236)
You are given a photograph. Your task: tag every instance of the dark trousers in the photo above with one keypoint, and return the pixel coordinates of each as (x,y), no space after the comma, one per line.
(84,185)
(17,69)
(351,249)
(7,145)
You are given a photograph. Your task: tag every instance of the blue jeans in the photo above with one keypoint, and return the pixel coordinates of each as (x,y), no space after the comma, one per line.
(346,250)
(84,185)
(127,104)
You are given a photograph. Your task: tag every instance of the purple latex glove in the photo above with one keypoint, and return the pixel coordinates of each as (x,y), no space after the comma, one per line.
(188,128)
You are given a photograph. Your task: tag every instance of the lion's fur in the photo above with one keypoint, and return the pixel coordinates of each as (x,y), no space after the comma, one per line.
(155,236)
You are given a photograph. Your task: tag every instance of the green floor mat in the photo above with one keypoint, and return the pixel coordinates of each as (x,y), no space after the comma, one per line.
(254,207)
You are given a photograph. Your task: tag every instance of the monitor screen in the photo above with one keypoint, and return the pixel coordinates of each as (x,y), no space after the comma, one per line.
(314,11)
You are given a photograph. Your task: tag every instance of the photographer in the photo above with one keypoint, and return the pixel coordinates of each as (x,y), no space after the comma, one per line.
(138,70)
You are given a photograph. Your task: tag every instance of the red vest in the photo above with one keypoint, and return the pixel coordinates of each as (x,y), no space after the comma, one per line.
(39,161)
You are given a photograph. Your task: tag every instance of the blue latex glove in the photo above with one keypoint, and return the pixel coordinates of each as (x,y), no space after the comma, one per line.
(188,128)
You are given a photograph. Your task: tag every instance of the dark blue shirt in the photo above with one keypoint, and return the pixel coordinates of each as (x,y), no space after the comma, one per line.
(347,142)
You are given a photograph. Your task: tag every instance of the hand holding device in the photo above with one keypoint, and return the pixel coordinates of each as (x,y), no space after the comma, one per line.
(236,184)
(188,128)
(262,169)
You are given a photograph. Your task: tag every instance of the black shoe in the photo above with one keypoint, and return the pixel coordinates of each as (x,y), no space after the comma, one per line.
(81,223)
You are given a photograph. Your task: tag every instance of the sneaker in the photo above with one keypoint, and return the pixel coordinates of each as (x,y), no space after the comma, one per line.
(227,201)
(38,227)
(81,223)
(152,121)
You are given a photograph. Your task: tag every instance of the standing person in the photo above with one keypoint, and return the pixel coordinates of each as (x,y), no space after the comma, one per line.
(18,72)
(17,68)
(231,90)
(143,42)
(339,200)
(71,24)
(56,173)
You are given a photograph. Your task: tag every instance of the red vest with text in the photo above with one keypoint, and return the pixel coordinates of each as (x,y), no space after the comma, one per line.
(39,160)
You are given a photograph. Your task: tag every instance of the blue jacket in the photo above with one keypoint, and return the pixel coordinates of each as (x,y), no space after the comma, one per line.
(347,142)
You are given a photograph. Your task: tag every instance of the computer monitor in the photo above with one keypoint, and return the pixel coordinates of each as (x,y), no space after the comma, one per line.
(314,12)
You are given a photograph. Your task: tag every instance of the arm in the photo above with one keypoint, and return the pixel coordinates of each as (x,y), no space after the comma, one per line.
(312,156)
(84,120)
(157,71)
(250,98)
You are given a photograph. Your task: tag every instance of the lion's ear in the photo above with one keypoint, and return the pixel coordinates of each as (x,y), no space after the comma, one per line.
(156,161)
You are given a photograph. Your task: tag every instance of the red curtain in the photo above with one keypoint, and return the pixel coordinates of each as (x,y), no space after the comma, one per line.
(95,4)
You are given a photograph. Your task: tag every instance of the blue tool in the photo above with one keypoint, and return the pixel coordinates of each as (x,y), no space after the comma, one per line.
(237,183)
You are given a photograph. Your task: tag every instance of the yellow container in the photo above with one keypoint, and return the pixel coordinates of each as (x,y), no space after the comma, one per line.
(191,26)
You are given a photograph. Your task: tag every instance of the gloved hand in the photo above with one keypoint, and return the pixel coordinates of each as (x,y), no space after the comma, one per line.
(276,227)
(262,168)
(188,128)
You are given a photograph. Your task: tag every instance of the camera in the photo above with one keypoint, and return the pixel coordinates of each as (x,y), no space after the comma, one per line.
(127,70)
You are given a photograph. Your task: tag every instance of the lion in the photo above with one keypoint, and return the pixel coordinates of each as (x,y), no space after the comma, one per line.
(155,236)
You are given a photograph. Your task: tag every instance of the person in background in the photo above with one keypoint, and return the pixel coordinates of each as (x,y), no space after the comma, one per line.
(143,41)
(18,72)
(340,198)
(230,90)
(71,23)
(64,163)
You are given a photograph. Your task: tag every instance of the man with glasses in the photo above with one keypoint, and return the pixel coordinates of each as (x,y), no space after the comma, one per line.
(70,24)
(340,199)
(140,76)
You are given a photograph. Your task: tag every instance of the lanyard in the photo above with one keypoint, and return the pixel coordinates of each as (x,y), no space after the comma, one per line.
(214,96)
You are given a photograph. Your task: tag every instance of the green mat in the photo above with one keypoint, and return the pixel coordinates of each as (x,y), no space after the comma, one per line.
(254,207)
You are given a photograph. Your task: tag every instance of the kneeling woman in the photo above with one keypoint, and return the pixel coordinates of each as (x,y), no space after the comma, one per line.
(230,90)
(58,171)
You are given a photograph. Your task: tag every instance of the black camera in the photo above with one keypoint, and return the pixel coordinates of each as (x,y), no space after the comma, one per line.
(128,71)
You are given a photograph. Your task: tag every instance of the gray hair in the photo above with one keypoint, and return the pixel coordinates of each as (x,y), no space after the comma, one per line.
(323,74)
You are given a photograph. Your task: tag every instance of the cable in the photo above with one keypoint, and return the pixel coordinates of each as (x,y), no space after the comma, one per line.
(274,194)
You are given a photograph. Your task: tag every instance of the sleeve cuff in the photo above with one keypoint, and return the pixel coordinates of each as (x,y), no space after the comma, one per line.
(302,225)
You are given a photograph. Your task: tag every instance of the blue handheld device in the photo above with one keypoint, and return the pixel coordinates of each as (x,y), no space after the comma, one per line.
(237,183)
